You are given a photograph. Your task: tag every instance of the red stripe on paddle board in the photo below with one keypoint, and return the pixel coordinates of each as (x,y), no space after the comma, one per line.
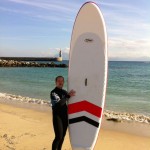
(85,106)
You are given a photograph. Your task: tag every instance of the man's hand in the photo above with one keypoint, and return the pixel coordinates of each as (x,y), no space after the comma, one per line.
(72,93)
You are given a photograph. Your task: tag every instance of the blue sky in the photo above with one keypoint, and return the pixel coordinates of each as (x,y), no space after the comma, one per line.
(41,27)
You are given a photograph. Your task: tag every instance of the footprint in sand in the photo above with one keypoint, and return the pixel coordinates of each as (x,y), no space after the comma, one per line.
(12,137)
(8,139)
(11,148)
(30,134)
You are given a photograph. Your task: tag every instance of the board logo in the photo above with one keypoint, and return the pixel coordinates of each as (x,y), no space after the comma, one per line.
(88,40)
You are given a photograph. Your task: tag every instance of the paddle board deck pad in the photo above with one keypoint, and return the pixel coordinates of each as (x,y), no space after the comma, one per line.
(87,75)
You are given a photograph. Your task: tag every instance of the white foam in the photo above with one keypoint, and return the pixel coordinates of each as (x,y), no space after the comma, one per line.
(123,116)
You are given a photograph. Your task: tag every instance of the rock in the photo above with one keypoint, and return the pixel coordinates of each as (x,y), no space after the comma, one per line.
(148,120)
(114,119)
(30,101)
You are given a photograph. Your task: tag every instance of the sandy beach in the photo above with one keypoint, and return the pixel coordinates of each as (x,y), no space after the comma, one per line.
(28,128)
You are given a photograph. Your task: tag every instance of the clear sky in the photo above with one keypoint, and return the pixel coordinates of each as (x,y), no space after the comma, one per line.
(41,27)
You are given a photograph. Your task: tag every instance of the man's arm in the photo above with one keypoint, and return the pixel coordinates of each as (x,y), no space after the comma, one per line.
(67,94)
(56,101)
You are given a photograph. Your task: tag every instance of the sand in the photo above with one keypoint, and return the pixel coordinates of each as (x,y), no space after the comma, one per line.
(30,129)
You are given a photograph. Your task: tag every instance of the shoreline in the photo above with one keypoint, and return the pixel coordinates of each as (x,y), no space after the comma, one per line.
(22,127)
(109,114)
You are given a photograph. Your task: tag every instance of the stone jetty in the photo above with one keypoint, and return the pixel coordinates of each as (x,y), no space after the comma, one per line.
(13,63)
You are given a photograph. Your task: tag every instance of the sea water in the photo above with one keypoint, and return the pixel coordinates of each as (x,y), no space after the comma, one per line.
(128,88)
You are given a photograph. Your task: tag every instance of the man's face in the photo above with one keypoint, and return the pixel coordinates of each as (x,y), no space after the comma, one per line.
(60,82)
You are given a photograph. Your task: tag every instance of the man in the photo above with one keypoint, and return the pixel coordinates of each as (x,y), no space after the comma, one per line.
(59,98)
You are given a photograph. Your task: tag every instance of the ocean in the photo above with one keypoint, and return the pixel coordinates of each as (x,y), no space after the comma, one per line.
(128,88)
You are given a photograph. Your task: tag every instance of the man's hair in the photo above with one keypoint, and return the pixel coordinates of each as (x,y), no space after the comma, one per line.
(58,77)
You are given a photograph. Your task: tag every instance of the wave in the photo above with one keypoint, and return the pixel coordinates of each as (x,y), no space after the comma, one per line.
(110,115)
(23,99)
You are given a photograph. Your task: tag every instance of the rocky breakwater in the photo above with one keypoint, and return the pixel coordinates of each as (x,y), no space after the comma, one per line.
(13,63)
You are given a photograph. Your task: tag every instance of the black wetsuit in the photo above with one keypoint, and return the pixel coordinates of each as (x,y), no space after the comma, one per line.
(60,117)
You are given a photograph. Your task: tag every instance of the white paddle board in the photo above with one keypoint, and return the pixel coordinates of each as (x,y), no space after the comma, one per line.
(87,75)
